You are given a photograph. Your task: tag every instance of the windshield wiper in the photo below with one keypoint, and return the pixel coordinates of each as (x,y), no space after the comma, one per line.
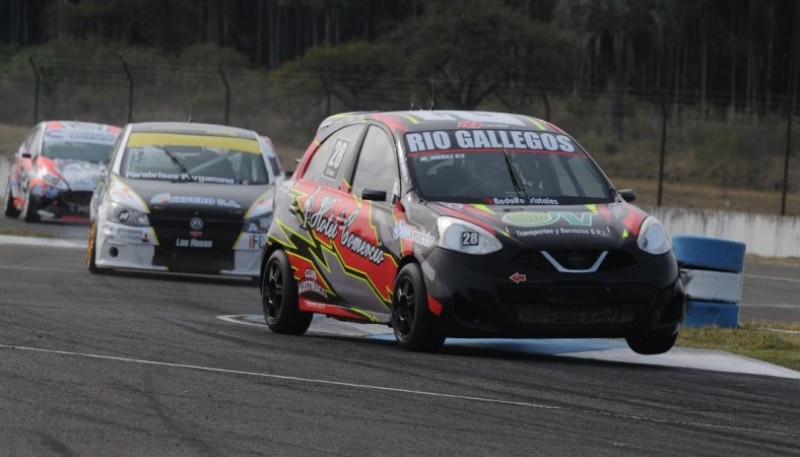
(516,180)
(176,161)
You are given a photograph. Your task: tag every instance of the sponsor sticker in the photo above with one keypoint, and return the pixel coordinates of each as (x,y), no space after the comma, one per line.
(309,286)
(193,243)
(469,239)
(518,277)
(256,242)
(516,140)
(324,222)
(340,147)
(540,219)
(82,136)
(403,230)
(128,235)
(522,201)
(163,199)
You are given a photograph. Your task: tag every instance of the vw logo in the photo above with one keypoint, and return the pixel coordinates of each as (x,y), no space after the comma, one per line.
(196,224)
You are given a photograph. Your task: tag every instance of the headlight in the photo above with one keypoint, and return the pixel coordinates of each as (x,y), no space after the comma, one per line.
(258,224)
(465,237)
(122,214)
(52,179)
(653,238)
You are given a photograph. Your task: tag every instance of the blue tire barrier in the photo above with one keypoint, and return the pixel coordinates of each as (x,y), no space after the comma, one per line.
(699,313)
(708,253)
(712,278)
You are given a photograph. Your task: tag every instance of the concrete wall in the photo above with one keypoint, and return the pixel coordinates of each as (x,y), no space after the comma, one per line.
(767,235)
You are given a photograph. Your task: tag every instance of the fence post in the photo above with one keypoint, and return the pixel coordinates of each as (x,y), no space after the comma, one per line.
(36,90)
(227,95)
(546,103)
(789,110)
(130,87)
(664,113)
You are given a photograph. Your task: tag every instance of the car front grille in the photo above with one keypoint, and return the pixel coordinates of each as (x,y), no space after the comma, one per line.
(573,260)
(576,304)
(76,198)
(220,256)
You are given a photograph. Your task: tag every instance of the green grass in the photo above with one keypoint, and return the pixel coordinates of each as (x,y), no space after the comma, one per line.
(777,343)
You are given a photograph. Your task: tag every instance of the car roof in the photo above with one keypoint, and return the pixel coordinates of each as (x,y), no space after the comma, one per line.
(193,128)
(412,121)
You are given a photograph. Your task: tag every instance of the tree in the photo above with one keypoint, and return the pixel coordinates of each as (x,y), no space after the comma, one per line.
(350,74)
(612,31)
(478,49)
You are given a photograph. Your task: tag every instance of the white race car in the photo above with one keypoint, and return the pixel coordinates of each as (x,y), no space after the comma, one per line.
(183,197)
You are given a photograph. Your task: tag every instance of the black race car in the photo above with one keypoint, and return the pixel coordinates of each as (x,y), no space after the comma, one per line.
(468,224)
(184,197)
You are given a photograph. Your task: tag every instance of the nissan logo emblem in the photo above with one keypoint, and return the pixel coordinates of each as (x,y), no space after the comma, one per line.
(196,224)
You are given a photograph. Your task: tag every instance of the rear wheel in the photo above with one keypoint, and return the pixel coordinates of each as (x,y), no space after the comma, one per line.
(10,209)
(279,297)
(650,345)
(414,325)
(29,213)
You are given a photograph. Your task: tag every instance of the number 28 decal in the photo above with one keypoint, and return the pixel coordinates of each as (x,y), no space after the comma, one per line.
(469,239)
(335,162)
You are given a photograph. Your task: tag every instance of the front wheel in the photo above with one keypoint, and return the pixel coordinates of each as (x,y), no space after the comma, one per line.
(91,250)
(414,325)
(10,209)
(279,297)
(651,345)
(29,212)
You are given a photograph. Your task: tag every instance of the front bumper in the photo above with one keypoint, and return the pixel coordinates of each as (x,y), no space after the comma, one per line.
(52,202)
(489,296)
(126,247)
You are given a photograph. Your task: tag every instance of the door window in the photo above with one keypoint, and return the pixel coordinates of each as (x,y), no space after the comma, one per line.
(377,166)
(334,157)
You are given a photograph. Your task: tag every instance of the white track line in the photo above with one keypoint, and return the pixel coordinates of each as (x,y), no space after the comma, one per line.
(274,376)
(773,278)
(654,420)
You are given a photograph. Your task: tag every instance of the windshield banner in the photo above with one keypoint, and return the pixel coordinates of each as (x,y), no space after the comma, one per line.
(482,139)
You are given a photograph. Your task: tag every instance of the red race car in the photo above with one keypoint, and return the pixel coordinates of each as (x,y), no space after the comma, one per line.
(55,169)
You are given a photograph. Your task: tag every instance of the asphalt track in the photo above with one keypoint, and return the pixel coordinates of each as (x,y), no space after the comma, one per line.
(139,364)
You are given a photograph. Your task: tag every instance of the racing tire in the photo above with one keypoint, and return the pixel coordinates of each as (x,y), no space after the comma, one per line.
(29,214)
(279,297)
(651,345)
(414,325)
(91,253)
(10,209)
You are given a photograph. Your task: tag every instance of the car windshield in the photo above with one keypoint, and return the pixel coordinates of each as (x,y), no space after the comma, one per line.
(194,158)
(503,167)
(77,150)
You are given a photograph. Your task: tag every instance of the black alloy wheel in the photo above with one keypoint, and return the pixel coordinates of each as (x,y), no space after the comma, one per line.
(414,325)
(279,297)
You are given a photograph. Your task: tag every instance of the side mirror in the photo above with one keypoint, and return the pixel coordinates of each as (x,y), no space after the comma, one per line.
(374,195)
(628,195)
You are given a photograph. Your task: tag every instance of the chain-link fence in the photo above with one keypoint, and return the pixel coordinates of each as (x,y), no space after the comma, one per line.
(713,156)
